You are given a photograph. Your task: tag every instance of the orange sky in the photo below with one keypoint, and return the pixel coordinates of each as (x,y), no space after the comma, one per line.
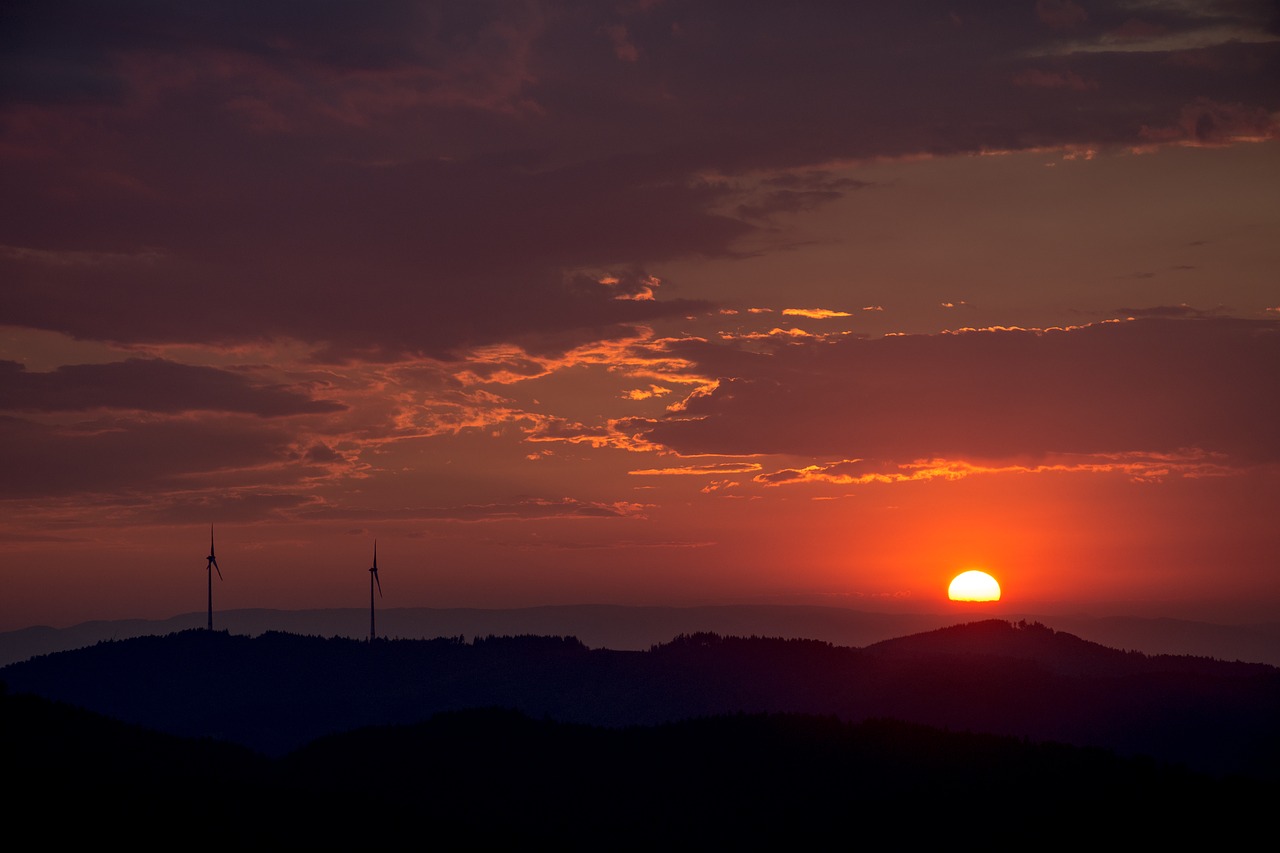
(650,303)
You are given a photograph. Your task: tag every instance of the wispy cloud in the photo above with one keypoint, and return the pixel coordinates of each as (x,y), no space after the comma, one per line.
(715,469)
(815,313)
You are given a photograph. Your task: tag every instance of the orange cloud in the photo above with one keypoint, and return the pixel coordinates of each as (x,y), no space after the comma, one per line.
(700,470)
(1140,467)
(815,313)
(646,394)
(633,287)
(620,434)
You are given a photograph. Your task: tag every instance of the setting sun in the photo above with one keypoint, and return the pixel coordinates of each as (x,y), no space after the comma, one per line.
(973,585)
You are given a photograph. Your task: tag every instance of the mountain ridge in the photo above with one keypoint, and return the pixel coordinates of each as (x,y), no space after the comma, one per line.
(626,627)
(278,691)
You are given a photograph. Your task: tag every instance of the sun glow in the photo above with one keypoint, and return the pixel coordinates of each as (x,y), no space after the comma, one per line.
(973,585)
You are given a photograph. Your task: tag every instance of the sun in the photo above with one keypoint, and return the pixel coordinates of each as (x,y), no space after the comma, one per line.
(973,585)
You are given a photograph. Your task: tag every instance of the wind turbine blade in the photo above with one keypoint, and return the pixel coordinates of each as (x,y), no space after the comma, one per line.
(215,566)
(378,582)
(210,540)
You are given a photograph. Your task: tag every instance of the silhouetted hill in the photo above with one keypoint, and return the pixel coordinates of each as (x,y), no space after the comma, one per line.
(73,776)
(1006,639)
(496,779)
(277,692)
(765,781)
(638,628)
(1057,650)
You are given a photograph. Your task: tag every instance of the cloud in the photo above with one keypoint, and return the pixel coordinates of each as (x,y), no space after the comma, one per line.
(113,456)
(1168,311)
(815,313)
(634,285)
(1207,123)
(622,47)
(345,62)
(795,192)
(627,545)
(518,509)
(647,393)
(1037,78)
(322,453)
(711,469)
(150,385)
(786,201)
(420,180)
(358,284)
(244,506)
(1149,385)
(1061,14)
(1137,467)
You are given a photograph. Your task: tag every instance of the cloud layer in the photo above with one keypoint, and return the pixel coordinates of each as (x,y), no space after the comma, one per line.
(406,178)
(1139,386)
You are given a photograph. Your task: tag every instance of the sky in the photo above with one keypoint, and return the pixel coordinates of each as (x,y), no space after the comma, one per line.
(639,302)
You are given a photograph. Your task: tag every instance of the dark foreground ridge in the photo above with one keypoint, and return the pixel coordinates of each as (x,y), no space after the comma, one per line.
(278,692)
(496,779)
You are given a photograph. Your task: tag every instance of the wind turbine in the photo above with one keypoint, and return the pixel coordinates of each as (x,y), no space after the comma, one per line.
(373,578)
(210,568)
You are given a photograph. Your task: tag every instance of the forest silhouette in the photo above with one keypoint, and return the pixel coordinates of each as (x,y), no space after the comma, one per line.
(703,740)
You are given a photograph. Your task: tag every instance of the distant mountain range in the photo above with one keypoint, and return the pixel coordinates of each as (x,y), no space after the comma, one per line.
(636,628)
(278,692)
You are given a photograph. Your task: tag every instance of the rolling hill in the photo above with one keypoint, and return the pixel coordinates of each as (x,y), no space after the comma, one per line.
(277,692)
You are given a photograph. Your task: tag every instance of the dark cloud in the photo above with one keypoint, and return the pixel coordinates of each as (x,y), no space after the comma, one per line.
(1139,386)
(522,508)
(149,385)
(131,457)
(246,506)
(1168,311)
(786,201)
(374,261)
(405,178)
(1207,122)
(1039,78)
(1062,14)
(322,453)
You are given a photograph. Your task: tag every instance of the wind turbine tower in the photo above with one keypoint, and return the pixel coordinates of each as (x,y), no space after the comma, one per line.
(373,579)
(210,568)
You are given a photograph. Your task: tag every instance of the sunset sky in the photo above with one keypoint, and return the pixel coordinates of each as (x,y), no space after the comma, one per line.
(639,302)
